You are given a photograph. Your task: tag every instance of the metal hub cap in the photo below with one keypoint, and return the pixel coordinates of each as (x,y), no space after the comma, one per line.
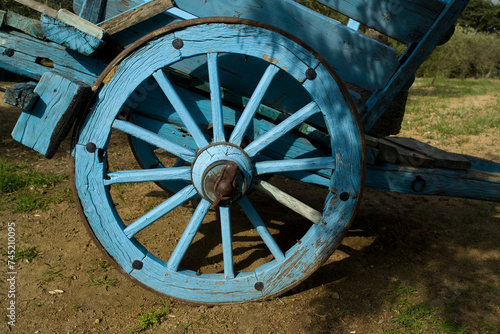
(221,173)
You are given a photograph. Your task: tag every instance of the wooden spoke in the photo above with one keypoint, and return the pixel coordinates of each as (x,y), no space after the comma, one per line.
(181,109)
(161,210)
(188,235)
(154,139)
(291,202)
(282,128)
(227,241)
(261,228)
(293,165)
(215,97)
(148,175)
(252,106)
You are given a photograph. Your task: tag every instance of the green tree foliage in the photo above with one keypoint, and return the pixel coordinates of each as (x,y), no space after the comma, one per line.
(481,15)
(468,54)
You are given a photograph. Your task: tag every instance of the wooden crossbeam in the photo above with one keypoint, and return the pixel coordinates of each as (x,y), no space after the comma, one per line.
(135,15)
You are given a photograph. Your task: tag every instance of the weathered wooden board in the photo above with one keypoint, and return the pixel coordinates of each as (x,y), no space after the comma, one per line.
(440,158)
(92,10)
(69,36)
(32,57)
(80,23)
(21,95)
(404,20)
(39,7)
(135,15)
(25,24)
(357,58)
(44,127)
(397,155)
(2,16)
(436,181)
(67,17)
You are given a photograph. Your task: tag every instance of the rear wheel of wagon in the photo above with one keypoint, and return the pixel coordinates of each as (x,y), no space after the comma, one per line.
(235,119)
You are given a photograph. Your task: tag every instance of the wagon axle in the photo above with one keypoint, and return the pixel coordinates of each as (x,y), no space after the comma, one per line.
(226,173)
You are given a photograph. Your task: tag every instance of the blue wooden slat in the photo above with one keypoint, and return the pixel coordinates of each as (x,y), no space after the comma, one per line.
(277,166)
(179,106)
(252,106)
(92,10)
(281,129)
(227,241)
(261,228)
(357,58)
(404,20)
(161,210)
(148,175)
(188,235)
(435,181)
(28,52)
(59,98)
(215,98)
(154,139)
(70,37)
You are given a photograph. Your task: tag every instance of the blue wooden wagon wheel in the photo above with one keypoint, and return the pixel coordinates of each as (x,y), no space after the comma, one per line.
(223,153)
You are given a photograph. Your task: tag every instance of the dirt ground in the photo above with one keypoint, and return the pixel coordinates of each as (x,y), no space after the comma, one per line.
(409,264)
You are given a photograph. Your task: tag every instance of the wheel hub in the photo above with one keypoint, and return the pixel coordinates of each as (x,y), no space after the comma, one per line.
(221,173)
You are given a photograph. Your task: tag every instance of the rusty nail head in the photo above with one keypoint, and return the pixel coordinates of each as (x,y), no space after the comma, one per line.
(137,264)
(344,196)
(259,286)
(91,147)
(311,74)
(177,43)
(9,52)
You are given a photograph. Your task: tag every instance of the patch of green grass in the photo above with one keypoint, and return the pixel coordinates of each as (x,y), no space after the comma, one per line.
(76,306)
(105,281)
(27,254)
(24,254)
(14,181)
(102,266)
(432,111)
(15,177)
(189,324)
(150,319)
(51,274)
(413,316)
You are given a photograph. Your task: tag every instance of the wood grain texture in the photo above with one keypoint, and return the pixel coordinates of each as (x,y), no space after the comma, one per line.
(66,35)
(44,127)
(92,10)
(357,58)
(33,57)
(472,184)
(27,25)
(404,20)
(39,7)
(21,95)
(80,23)
(135,15)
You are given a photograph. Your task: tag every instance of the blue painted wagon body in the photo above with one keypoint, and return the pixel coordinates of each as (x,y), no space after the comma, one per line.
(233,92)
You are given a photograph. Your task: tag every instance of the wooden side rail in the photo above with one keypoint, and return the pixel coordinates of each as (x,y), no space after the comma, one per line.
(404,20)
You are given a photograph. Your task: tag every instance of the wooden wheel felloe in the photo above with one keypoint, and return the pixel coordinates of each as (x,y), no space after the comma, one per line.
(223,152)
